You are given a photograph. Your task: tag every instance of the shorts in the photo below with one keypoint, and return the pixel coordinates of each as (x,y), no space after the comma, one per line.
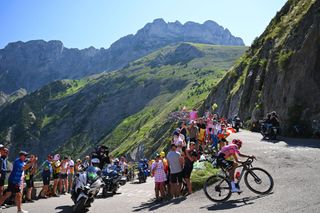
(158,185)
(30,182)
(14,188)
(55,176)
(2,180)
(223,163)
(63,176)
(46,179)
(70,176)
(176,178)
(187,170)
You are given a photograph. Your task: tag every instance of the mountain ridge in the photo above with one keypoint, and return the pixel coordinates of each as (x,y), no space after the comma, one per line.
(33,64)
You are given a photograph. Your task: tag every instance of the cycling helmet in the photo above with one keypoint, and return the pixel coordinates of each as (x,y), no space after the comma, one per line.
(237,142)
(95,162)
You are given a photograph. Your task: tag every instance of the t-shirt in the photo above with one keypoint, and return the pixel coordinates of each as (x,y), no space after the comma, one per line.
(193,115)
(47,168)
(4,167)
(56,166)
(193,131)
(17,171)
(165,164)
(71,167)
(174,162)
(229,150)
(64,167)
(159,173)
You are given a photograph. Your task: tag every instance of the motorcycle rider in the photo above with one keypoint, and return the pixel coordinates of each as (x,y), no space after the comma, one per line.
(267,124)
(95,163)
(102,153)
(274,119)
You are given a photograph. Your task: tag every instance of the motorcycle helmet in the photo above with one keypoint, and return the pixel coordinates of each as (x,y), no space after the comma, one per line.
(116,161)
(95,162)
(237,142)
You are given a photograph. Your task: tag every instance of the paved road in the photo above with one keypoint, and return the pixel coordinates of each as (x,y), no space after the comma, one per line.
(293,163)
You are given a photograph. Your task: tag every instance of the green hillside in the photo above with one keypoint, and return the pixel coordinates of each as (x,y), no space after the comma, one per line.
(122,109)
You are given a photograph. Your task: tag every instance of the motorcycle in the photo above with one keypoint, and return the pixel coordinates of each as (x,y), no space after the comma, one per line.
(113,179)
(268,131)
(86,186)
(130,175)
(236,124)
(143,172)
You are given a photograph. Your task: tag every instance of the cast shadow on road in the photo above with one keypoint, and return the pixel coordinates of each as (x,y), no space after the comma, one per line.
(64,209)
(296,142)
(230,204)
(152,205)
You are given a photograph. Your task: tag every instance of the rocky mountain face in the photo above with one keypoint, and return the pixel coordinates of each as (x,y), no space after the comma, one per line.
(6,99)
(280,72)
(121,109)
(33,64)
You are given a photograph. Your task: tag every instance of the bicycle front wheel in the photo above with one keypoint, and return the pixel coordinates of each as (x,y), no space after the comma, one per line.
(217,188)
(259,181)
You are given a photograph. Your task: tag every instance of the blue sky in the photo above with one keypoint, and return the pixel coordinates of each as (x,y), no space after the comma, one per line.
(98,23)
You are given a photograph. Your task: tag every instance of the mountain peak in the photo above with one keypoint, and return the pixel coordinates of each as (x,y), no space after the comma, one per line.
(158,21)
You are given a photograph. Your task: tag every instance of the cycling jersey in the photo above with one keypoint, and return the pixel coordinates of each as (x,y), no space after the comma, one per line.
(229,150)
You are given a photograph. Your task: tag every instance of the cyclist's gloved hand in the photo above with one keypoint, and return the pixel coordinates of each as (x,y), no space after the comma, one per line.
(254,157)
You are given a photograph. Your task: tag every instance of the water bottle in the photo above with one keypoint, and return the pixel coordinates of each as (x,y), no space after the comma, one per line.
(238,176)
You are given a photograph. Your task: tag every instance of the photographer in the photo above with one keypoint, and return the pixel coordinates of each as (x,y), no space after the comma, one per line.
(15,180)
(102,153)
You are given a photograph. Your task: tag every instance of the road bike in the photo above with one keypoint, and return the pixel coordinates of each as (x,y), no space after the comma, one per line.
(218,187)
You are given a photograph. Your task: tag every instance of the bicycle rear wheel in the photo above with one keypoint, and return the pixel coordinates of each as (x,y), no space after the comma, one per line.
(259,181)
(217,188)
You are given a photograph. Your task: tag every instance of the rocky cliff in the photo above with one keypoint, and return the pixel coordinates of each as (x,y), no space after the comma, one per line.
(280,71)
(33,64)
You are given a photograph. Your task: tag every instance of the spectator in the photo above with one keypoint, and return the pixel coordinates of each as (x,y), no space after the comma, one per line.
(157,169)
(202,133)
(64,175)
(46,174)
(194,133)
(70,174)
(177,140)
(15,183)
(56,164)
(86,162)
(193,115)
(175,164)
(190,158)
(78,166)
(183,129)
(29,177)
(4,167)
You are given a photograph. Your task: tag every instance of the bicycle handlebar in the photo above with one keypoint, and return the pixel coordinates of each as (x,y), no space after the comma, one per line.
(249,160)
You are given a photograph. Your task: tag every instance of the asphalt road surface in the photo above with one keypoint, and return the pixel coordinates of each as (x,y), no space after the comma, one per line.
(293,163)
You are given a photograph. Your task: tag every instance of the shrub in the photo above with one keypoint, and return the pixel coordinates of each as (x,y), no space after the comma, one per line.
(284,59)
